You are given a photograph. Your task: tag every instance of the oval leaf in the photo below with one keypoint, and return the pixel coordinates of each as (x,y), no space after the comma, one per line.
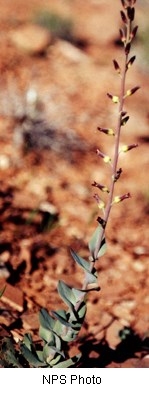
(94,240)
(81,261)
(68,363)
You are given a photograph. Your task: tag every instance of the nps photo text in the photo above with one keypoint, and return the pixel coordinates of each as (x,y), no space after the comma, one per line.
(73,379)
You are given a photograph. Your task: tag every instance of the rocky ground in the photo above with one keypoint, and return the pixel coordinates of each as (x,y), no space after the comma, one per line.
(52,98)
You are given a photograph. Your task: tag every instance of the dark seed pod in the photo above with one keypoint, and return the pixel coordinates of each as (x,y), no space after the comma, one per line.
(122,35)
(118,174)
(127,48)
(134,32)
(131,13)
(124,120)
(124,4)
(132,91)
(101,222)
(123,16)
(116,66)
(130,62)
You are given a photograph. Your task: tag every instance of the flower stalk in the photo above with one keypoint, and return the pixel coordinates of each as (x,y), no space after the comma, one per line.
(127,34)
(62,326)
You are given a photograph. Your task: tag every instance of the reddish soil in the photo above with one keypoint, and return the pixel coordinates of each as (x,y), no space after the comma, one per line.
(71,80)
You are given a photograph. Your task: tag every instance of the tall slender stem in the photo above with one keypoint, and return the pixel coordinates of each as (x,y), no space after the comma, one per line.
(115,160)
(117,142)
(127,44)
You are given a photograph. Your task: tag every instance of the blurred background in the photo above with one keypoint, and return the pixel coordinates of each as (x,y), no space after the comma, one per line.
(55,71)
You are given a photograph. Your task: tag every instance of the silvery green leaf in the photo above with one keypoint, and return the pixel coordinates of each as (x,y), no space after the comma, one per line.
(94,240)
(46,320)
(79,294)
(30,357)
(55,360)
(70,335)
(67,295)
(45,334)
(82,311)
(48,353)
(81,261)
(27,340)
(40,356)
(103,248)
(68,363)
(60,318)
(58,328)
(91,277)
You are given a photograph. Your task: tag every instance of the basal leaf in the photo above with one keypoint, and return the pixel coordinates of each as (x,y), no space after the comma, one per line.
(27,339)
(67,295)
(55,360)
(30,357)
(45,334)
(46,320)
(40,356)
(68,363)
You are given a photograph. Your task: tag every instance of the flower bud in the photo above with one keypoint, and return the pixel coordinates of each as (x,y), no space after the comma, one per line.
(124,3)
(121,198)
(127,48)
(130,62)
(116,66)
(115,99)
(132,91)
(124,120)
(123,16)
(99,201)
(133,32)
(123,113)
(100,186)
(107,131)
(117,175)
(130,13)
(101,205)
(101,222)
(106,159)
(122,36)
(126,148)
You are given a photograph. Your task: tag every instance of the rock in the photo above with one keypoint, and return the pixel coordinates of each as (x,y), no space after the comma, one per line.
(4,272)
(5,256)
(31,39)
(12,296)
(70,52)
(138,266)
(112,334)
(105,319)
(30,321)
(48,208)
(123,311)
(4,162)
